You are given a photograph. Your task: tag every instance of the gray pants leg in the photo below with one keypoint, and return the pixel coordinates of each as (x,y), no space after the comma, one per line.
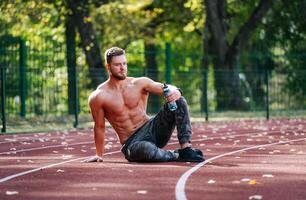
(144,151)
(146,143)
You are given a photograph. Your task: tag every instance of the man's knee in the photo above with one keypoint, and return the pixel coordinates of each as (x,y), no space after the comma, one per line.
(141,151)
(181,101)
(144,151)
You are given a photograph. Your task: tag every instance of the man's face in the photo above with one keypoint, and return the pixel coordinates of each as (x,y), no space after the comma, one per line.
(118,67)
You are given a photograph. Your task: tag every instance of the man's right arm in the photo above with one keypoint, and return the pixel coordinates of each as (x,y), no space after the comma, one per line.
(99,126)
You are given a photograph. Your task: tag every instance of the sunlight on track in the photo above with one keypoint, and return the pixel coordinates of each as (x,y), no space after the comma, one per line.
(45,147)
(180,186)
(2,180)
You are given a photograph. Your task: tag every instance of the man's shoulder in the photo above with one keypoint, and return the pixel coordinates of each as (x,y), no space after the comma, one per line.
(102,86)
(97,94)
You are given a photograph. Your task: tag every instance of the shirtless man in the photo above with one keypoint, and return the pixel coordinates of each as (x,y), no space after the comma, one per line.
(122,100)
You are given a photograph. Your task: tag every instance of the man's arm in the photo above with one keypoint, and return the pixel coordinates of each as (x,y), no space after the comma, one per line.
(157,88)
(99,127)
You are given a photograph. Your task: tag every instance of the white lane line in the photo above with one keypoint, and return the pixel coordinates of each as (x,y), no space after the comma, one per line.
(69,135)
(44,136)
(233,135)
(46,147)
(56,164)
(180,186)
(88,142)
(26,139)
(51,165)
(40,135)
(7,178)
(195,140)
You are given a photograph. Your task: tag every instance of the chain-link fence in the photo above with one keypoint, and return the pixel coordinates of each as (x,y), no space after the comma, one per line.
(35,91)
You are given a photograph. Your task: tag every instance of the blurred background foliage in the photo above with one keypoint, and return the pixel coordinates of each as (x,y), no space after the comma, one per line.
(274,39)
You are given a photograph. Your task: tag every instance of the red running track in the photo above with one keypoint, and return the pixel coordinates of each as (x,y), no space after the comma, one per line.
(250,159)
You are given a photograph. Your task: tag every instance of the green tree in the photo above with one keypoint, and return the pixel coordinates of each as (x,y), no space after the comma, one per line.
(79,12)
(227,43)
(284,37)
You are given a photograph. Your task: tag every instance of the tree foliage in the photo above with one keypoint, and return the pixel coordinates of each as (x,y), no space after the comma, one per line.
(226,31)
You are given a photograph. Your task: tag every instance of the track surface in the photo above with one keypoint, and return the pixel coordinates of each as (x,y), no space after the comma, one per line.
(245,160)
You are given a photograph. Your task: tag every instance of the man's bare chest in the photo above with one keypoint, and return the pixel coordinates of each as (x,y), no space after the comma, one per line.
(123,100)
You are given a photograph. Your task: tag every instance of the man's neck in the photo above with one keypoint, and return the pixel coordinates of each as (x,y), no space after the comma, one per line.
(116,83)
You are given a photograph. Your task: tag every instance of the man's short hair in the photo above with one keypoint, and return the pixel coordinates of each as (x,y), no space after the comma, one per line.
(111,52)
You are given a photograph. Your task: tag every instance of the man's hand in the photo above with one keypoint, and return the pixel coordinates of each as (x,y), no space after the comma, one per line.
(174,95)
(94,159)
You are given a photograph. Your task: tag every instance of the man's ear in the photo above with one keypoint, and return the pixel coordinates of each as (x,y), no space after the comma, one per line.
(107,66)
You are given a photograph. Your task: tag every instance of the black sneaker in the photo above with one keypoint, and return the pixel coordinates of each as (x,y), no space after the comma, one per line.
(198,151)
(189,154)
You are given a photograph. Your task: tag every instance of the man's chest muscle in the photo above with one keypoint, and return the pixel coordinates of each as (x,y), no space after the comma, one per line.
(131,98)
(120,102)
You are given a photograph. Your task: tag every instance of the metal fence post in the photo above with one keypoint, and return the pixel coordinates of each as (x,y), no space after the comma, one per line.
(205,94)
(168,63)
(3,130)
(73,101)
(267,94)
(23,78)
(76,105)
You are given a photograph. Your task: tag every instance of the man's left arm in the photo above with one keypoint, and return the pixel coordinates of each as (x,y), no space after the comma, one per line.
(157,88)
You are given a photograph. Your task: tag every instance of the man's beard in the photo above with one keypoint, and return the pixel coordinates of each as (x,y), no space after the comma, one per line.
(119,76)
